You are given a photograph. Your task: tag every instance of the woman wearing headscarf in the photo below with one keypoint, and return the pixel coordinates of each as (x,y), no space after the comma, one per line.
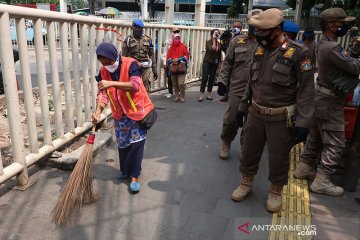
(121,85)
(210,64)
(178,55)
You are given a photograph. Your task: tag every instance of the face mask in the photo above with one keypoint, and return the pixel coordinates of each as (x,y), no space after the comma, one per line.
(236,31)
(137,33)
(176,41)
(341,31)
(265,41)
(112,68)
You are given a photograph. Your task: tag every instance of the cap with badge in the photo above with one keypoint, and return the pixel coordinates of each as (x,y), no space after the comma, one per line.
(267,19)
(335,14)
(138,23)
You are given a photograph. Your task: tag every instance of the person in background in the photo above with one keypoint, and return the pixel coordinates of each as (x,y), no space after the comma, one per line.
(140,46)
(178,54)
(120,82)
(165,66)
(308,39)
(236,30)
(211,62)
(234,75)
(291,29)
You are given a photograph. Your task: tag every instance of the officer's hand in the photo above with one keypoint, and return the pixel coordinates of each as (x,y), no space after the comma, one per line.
(155,75)
(300,134)
(221,89)
(240,118)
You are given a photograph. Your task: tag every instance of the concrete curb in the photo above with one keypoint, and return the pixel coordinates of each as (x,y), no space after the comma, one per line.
(68,161)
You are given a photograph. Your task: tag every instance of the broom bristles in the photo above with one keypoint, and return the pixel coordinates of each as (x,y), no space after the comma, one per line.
(77,189)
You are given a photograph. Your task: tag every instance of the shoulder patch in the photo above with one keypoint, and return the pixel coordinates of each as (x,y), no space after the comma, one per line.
(259,51)
(289,52)
(306,65)
(241,40)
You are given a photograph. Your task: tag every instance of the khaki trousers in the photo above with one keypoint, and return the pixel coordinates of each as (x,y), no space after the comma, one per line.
(258,129)
(230,124)
(178,81)
(146,74)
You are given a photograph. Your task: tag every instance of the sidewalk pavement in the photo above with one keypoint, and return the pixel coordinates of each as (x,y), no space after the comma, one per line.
(185,191)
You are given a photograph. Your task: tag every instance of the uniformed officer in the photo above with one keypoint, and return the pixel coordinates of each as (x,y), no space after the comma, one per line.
(327,137)
(280,89)
(140,46)
(234,75)
(291,29)
(354,44)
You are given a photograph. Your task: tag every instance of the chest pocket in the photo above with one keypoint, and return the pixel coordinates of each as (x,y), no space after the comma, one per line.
(133,44)
(255,70)
(281,74)
(240,54)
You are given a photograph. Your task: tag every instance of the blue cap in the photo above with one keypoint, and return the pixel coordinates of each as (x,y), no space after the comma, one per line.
(291,26)
(138,23)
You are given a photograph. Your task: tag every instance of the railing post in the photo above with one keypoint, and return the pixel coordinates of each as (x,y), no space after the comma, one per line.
(12,100)
(85,70)
(93,59)
(40,63)
(27,85)
(66,75)
(55,80)
(160,60)
(76,73)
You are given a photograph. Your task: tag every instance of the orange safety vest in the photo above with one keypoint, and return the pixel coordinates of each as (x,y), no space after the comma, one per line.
(135,105)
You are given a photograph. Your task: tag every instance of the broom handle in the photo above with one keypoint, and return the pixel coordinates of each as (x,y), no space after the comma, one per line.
(97,109)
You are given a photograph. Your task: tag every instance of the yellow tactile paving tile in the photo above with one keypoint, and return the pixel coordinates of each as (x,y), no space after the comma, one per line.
(295,209)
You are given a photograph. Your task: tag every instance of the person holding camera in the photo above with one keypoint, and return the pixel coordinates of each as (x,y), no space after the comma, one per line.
(210,64)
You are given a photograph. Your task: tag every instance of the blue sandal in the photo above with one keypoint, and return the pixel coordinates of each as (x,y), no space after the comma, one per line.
(134,187)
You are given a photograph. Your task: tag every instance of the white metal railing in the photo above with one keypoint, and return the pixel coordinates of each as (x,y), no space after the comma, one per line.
(72,87)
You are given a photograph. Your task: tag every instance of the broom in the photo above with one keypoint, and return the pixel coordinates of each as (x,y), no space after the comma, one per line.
(78,187)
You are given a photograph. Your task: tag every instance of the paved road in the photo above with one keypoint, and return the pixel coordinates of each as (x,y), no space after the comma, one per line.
(185,192)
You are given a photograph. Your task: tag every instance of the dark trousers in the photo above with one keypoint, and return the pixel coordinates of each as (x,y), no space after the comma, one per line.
(131,158)
(208,76)
(169,81)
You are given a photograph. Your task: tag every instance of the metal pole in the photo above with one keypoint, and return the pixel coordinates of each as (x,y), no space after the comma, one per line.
(76,73)
(11,97)
(40,63)
(298,9)
(93,59)
(250,5)
(55,80)
(27,86)
(85,71)
(66,76)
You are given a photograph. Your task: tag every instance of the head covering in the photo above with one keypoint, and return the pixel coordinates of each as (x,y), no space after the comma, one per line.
(291,26)
(107,50)
(267,19)
(138,23)
(176,35)
(354,29)
(335,14)
(175,30)
(253,12)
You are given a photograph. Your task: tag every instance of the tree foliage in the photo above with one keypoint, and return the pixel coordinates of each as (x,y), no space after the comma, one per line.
(236,8)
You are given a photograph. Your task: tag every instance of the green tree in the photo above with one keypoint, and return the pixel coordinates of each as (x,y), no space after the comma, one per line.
(236,8)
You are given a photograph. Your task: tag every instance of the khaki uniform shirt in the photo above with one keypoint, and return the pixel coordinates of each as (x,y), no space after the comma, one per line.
(281,77)
(332,61)
(142,50)
(235,69)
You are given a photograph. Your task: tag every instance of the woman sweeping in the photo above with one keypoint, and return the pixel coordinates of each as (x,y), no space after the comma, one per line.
(121,85)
